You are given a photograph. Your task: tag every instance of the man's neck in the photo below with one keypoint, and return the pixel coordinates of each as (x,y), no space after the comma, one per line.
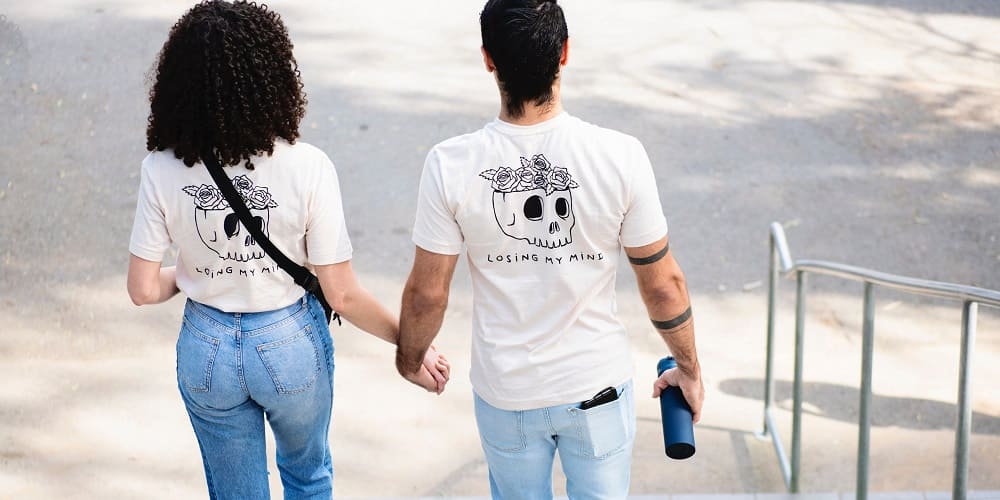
(534,114)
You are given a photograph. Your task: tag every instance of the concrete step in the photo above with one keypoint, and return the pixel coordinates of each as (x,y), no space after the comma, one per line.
(889,495)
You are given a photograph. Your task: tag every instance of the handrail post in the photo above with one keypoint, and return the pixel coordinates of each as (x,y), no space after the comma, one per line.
(864,412)
(958,492)
(769,368)
(800,319)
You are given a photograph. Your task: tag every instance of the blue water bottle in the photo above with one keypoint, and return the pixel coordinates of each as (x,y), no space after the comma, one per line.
(678,430)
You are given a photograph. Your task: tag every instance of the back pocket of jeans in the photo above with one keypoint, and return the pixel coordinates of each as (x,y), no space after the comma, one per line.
(499,429)
(292,362)
(195,358)
(604,428)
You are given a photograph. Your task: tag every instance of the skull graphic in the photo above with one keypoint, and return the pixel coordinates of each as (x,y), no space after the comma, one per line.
(220,228)
(222,232)
(543,220)
(534,202)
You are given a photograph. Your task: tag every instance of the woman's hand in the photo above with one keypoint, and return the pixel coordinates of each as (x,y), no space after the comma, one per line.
(439,368)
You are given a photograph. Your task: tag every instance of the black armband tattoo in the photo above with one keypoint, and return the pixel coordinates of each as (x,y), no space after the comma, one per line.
(673,323)
(642,261)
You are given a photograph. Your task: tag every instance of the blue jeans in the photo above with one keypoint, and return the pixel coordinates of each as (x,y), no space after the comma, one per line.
(595,448)
(233,369)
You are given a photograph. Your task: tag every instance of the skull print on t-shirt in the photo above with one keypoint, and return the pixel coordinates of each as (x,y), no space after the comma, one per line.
(220,228)
(534,203)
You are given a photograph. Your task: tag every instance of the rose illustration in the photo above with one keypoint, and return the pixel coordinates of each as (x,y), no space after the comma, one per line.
(538,181)
(243,184)
(504,180)
(536,173)
(260,199)
(525,177)
(205,196)
(559,178)
(540,163)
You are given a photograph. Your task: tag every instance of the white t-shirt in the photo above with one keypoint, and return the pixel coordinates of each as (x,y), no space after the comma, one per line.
(542,211)
(293,194)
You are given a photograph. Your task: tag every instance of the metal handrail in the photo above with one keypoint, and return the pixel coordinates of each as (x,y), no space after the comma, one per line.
(904,283)
(782,264)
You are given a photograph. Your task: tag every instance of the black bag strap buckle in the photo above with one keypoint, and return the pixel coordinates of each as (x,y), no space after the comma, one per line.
(311,283)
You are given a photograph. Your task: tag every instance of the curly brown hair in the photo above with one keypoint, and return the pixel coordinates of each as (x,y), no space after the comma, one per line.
(225,81)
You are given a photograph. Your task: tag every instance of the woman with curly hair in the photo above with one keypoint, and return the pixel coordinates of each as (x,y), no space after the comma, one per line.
(252,344)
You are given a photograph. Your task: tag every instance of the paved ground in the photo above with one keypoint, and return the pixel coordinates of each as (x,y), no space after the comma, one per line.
(895,495)
(869,127)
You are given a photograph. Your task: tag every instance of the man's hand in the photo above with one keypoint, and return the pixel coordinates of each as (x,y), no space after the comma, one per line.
(691,387)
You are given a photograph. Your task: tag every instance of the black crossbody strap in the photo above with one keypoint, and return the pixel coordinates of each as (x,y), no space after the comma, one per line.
(302,276)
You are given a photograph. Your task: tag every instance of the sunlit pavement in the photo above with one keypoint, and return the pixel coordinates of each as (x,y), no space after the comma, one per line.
(867,127)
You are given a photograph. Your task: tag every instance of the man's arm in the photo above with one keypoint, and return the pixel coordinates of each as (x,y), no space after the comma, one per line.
(664,291)
(425,299)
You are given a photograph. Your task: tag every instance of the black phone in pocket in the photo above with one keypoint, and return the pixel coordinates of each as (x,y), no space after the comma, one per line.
(605,396)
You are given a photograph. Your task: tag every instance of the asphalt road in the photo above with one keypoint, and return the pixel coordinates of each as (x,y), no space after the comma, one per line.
(870,128)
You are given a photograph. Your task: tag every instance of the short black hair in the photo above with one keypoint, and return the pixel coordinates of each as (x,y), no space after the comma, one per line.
(525,39)
(226,81)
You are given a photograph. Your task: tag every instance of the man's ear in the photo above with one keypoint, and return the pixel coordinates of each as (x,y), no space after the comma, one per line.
(487,60)
(565,53)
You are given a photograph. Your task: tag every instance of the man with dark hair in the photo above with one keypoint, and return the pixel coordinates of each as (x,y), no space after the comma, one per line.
(544,202)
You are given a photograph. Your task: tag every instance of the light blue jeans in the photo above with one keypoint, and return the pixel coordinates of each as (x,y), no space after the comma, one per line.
(595,448)
(233,369)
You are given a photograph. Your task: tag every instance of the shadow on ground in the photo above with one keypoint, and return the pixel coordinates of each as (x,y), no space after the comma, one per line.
(840,402)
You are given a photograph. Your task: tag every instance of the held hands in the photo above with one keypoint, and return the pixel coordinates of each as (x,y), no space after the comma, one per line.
(433,373)
(439,368)
(691,386)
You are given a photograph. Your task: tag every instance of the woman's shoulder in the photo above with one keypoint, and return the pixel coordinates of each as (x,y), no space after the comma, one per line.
(300,155)
(162,162)
(298,149)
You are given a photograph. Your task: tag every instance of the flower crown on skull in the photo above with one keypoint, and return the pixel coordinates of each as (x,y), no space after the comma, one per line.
(536,173)
(210,198)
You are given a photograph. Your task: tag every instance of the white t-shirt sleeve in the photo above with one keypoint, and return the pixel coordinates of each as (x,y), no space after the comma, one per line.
(435,228)
(150,239)
(327,241)
(644,222)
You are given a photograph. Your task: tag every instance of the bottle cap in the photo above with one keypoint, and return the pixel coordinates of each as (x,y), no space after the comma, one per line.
(665,364)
